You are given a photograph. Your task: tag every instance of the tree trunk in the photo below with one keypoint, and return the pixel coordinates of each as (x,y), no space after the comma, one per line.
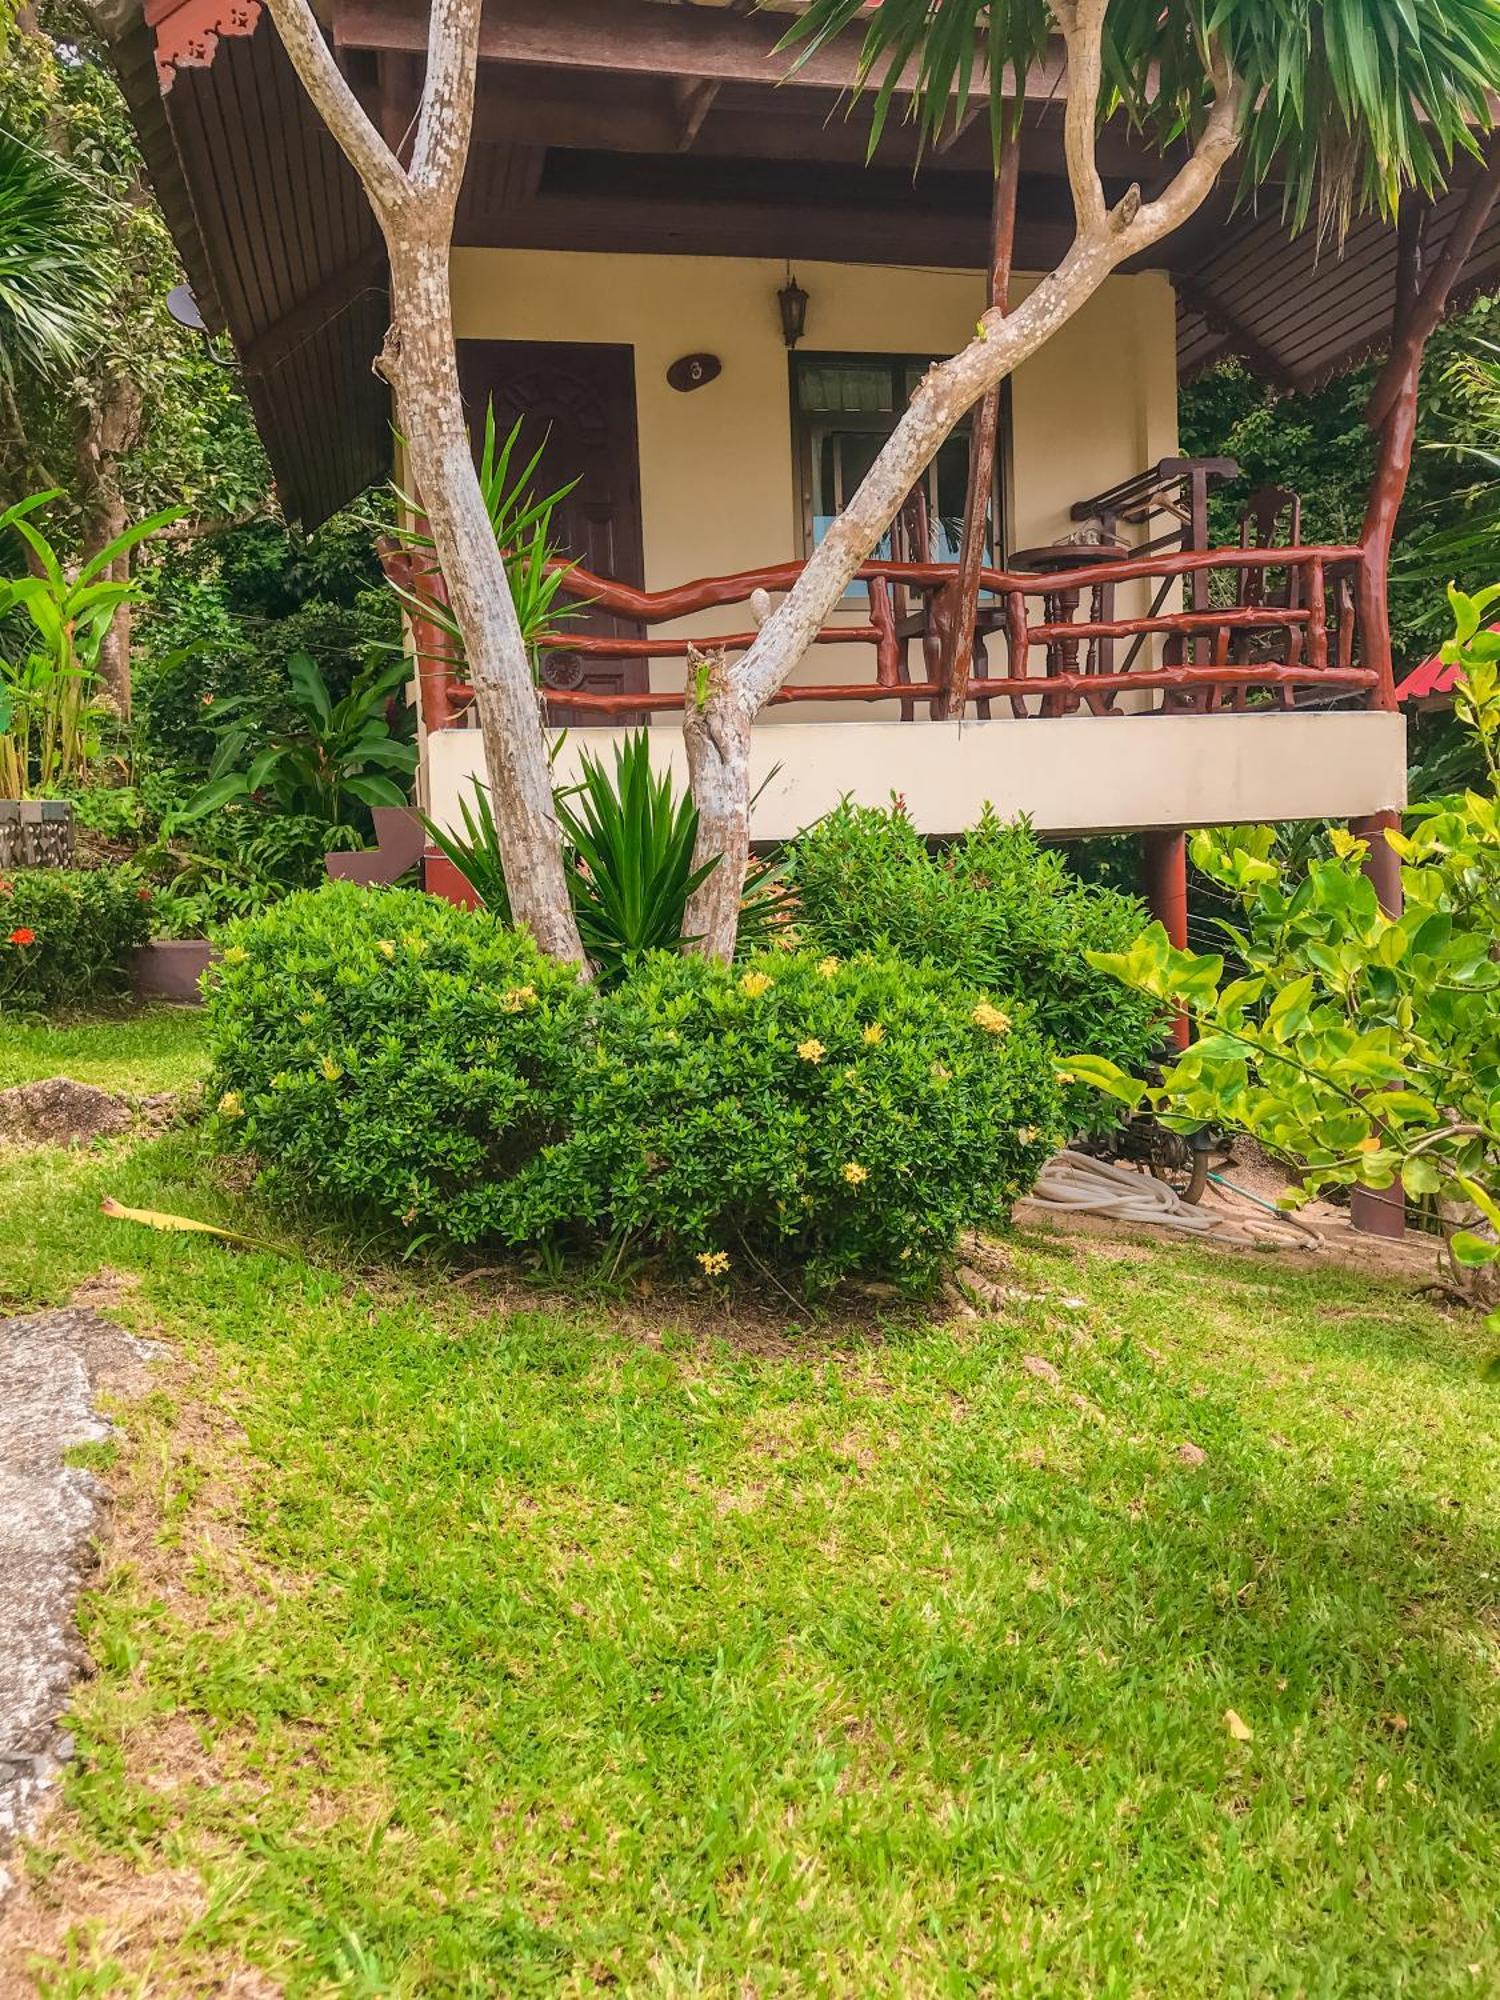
(107,430)
(717,730)
(420,362)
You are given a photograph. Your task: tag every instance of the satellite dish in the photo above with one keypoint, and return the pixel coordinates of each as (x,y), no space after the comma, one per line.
(184,309)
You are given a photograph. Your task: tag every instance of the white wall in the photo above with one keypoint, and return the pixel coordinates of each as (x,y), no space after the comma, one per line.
(1070,774)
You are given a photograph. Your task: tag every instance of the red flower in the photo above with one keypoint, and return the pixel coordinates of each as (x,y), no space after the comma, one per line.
(143,895)
(22,936)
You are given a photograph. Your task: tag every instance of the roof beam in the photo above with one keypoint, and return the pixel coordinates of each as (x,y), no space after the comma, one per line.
(640,36)
(1241,339)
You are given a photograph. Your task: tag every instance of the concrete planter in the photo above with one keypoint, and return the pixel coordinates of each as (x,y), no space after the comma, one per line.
(36,833)
(170,969)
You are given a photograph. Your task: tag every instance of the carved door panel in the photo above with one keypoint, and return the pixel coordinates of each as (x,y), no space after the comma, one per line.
(580,400)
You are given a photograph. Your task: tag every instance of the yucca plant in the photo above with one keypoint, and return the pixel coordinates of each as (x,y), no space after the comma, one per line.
(632,870)
(475,852)
(628,840)
(522,521)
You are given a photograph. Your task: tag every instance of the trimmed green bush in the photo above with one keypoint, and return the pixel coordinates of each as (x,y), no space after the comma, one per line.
(825,1116)
(67,936)
(996,908)
(426,1068)
(394,1054)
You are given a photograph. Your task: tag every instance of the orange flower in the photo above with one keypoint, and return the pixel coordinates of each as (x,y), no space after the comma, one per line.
(22,936)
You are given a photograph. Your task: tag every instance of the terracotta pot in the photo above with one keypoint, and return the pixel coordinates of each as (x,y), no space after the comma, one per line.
(170,968)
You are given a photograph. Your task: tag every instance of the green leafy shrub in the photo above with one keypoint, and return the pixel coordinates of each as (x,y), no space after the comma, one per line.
(395,1055)
(1361,1045)
(426,1067)
(66,936)
(823,1116)
(997,909)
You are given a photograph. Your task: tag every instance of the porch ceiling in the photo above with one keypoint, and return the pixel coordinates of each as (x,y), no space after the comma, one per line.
(636,125)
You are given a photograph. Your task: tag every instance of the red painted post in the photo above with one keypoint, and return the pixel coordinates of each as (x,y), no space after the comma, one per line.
(1164,855)
(1380,1211)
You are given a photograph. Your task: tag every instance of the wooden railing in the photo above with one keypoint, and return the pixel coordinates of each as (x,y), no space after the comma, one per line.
(1286,632)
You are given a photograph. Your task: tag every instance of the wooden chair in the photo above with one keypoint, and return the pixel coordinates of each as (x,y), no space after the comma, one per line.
(1270,519)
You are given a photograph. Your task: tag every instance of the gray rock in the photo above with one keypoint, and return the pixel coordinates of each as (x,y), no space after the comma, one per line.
(52,1368)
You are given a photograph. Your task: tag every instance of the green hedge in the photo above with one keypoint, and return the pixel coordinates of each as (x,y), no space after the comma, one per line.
(426,1068)
(67,937)
(996,908)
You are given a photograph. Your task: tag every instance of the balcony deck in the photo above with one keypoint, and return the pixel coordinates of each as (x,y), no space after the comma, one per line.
(1248,702)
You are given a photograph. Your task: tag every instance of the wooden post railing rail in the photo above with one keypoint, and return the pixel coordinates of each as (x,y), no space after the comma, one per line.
(1272,651)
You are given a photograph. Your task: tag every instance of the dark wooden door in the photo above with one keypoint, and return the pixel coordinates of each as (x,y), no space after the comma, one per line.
(580,400)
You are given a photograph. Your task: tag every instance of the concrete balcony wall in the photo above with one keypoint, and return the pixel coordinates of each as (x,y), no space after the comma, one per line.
(1074,774)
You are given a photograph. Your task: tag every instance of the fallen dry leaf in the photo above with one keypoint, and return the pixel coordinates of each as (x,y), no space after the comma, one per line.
(1192,1454)
(1237,1726)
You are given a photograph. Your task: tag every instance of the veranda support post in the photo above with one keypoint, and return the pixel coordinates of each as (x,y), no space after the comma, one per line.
(1164,868)
(1380,1211)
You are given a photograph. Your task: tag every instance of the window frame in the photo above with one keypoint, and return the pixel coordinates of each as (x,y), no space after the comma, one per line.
(806,423)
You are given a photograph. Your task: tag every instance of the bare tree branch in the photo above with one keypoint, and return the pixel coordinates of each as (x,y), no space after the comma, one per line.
(340,110)
(1082,25)
(447,114)
(717,729)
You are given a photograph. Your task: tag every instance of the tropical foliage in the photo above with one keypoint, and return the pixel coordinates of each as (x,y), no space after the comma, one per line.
(53,623)
(1347,102)
(340,754)
(52,285)
(1363,1047)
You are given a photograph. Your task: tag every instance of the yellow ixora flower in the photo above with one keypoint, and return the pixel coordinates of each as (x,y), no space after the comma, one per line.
(993,1020)
(330,1069)
(517,998)
(387,947)
(1027,1134)
(1065,1076)
(854,1173)
(827,967)
(874,1033)
(231,1105)
(236,955)
(755,983)
(811,1051)
(715,1262)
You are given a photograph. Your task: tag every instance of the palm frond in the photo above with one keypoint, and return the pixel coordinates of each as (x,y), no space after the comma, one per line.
(1347,102)
(51,265)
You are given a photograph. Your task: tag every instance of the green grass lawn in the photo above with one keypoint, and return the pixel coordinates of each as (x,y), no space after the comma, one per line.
(135,1050)
(452,1646)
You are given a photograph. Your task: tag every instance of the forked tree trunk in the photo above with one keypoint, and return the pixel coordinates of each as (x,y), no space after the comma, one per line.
(716,727)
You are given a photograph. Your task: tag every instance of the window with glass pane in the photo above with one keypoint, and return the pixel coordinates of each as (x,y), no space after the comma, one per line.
(845,406)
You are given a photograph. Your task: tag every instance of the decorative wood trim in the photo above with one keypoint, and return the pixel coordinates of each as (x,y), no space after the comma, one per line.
(187,32)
